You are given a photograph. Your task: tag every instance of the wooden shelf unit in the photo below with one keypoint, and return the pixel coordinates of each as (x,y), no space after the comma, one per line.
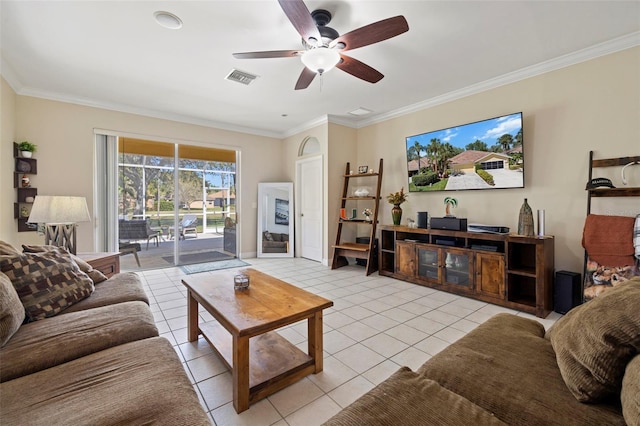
(343,249)
(507,270)
(23,192)
(610,192)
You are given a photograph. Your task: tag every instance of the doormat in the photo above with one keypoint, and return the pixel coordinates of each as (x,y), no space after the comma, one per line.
(205,256)
(213,266)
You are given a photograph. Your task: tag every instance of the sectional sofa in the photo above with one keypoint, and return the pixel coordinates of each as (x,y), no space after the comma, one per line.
(80,349)
(584,371)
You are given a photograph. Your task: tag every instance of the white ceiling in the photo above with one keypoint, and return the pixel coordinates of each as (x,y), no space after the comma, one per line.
(112,54)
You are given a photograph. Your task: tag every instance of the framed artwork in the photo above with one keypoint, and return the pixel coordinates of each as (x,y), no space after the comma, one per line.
(363,169)
(282,212)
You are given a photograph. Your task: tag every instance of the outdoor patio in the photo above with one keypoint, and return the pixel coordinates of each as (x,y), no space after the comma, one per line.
(203,248)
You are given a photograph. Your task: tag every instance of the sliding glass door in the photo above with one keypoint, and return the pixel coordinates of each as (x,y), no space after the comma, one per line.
(175,204)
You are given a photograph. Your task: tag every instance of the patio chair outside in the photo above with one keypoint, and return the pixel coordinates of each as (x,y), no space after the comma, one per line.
(187,226)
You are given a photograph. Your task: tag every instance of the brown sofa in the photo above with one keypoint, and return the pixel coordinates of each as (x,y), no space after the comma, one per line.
(584,371)
(274,242)
(99,361)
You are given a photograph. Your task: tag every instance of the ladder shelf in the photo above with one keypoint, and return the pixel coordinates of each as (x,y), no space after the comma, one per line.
(344,249)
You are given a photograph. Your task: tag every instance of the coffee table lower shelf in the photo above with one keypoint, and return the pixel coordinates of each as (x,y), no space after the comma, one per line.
(274,362)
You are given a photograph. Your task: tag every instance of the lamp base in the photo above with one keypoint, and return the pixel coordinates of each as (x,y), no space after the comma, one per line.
(61,235)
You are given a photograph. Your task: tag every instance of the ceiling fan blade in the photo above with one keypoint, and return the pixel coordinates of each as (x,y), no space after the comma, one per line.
(301,19)
(359,69)
(268,54)
(305,79)
(372,33)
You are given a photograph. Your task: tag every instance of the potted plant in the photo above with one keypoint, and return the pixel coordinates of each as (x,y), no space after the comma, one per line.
(397,198)
(26,149)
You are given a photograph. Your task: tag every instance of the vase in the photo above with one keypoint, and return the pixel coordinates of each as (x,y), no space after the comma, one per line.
(525,220)
(396,214)
(26,154)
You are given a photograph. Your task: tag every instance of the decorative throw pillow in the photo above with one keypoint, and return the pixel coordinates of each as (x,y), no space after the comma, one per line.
(595,341)
(630,394)
(95,275)
(11,310)
(268,236)
(46,283)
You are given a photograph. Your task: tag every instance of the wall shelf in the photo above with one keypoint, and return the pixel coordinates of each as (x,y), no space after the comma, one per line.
(23,167)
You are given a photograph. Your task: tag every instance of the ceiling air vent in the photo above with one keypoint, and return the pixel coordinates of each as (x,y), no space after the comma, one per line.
(241,77)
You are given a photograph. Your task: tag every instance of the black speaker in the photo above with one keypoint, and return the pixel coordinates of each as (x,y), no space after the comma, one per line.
(450,223)
(567,291)
(422,219)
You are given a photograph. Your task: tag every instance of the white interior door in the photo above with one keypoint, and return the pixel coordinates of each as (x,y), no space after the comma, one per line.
(311,207)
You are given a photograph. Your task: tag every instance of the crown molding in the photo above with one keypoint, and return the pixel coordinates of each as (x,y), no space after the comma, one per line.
(579,56)
(583,55)
(54,96)
(305,126)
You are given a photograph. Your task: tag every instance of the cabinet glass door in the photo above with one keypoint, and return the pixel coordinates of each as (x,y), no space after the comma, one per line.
(457,268)
(428,263)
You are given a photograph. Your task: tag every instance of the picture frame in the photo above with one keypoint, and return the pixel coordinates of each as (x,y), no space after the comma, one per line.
(282,212)
(363,169)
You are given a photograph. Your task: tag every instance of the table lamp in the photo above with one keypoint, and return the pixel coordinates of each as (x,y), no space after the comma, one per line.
(59,214)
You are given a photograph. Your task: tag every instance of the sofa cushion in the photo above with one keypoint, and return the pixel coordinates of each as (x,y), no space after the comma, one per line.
(95,275)
(267,236)
(11,311)
(44,344)
(595,341)
(47,283)
(406,398)
(630,394)
(137,383)
(7,249)
(122,287)
(508,368)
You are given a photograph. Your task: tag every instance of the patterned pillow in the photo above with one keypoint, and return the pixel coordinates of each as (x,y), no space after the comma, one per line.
(11,310)
(95,275)
(595,341)
(46,283)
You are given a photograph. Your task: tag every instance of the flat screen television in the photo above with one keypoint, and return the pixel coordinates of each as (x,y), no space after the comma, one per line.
(486,154)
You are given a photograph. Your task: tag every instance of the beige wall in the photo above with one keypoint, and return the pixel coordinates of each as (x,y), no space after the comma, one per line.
(7,135)
(64,134)
(590,106)
(342,149)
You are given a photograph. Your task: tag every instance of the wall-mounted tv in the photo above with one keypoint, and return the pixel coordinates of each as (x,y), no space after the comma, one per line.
(486,154)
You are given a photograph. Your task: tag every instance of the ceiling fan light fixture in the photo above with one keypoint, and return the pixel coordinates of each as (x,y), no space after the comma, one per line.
(320,60)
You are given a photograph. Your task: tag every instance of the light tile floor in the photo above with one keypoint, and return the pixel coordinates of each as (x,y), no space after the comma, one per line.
(376,325)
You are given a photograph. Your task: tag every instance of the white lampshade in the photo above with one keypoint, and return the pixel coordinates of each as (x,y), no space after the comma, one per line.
(320,59)
(54,209)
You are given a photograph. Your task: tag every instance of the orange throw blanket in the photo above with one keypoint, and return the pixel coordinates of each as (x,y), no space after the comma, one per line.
(609,239)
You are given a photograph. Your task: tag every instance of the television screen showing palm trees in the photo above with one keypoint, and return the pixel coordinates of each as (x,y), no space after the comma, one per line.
(482,155)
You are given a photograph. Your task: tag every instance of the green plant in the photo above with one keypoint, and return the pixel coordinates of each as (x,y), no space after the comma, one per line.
(486,176)
(425,179)
(450,202)
(397,197)
(27,146)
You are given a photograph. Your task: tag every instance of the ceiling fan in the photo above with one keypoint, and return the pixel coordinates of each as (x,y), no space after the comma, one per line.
(323,46)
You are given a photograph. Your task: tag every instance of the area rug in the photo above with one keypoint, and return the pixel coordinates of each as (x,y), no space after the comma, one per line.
(205,256)
(213,266)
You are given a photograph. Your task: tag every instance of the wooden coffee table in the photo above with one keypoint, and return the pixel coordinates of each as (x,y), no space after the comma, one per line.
(262,362)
